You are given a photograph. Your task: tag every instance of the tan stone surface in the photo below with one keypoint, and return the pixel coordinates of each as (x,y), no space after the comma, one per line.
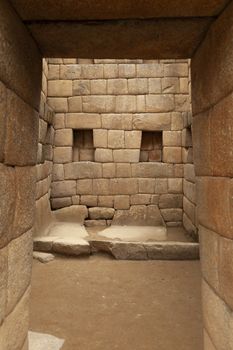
(126,155)
(133,139)
(225,270)
(103,155)
(172,155)
(171,201)
(58,104)
(117,121)
(63,188)
(101,213)
(59,88)
(73,214)
(123,170)
(3,282)
(101,187)
(84,186)
(121,202)
(82,170)
(100,138)
(152,121)
(109,170)
(64,137)
(19,269)
(124,186)
(3,110)
(159,103)
(78,120)
(139,215)
(62,155)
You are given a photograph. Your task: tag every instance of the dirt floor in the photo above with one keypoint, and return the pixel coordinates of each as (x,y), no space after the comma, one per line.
(102,304)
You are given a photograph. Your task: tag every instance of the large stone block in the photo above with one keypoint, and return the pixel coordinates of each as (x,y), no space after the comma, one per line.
(126,104)
(106,201)
(149,70)
(126,155)
(103,155)
(172,138)
(89,200)
(171,201)
(20,61)
(121,202)
(75,104)
(152,170)
(152,121)
(109,170)
(117,121)
(127,70)
(82,87)
(58,104)
(53,72)
(189,173)
(7,203)
(175,185)
(170,85)
(101,187)
(172,215)
(74,213)
(3,282)
(59,121)
(146,185)
(133,139)
(140,215)
(92,71)
(63,188)
(138,86)
(117,86)
(189,209)
(3,115)
(22,129)
(25,180)
(155,86)
(124,186)
(177,121)
(140,199)
(59,88)
(85,186)
(70,71)
(110,70)
(176,70)
(63,137)
(99,104)
(159,103)
(216,48)
(100,138)
(83,170)
(225,270)
(62,155)
(83,121)
(172,155)
(58,203)
(215,210)
(19,268)
(116,139)
(190,191)
(123,170)
(101,213)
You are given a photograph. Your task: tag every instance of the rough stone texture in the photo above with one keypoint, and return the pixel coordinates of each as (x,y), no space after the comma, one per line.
(3,282)
(71,246)
(101,213)
(75,213)
(43,257)
(139,215)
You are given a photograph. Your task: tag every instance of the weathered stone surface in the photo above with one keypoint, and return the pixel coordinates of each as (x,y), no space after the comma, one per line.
(123,170)
(71,246)
(78,120)
(70,71)
(117,121)
(121,202)
(3,282)
(58,203)
(153,170)
(100,138)
(43,257)
(43,243)
(139,215)
(172,138)
(101,213)
(171,201)
(19,268)
(133,139)
(105,201)
(62,155)
(3,94)
(40,341)
(63,188)
(124,186)
(101,187)
(58,104)
(172,214)
(75,213)
(146,186)
(109,170)
(137,86)
(59,88)
(93,223)
(140,199)
(172,155)
(84,170)
(22,129)
(63,137)
(175,185)
(159,103)
(126,155)
(116,139)
(152,121)
(225,269)
(103,155)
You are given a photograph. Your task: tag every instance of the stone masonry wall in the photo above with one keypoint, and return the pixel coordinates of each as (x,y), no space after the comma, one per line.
(212,78)
(20,86)
(118,134)
(44,158)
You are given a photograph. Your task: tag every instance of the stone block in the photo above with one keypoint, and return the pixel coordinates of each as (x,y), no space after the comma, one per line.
(100,138)
(106,201)
(84,186)
(44,258)
(146,185)
(189,209)
(92,71)
(103,155)
(110,71)
(58,172)
(101,213)
(138,199)
(126,155)
(138,86)
(58,104)
(25,181)
(170,85)
(63,137)
(101,187)
(116,139)
(13,332)
(175,185)
(177,121)
(94,223)
(121,202)
(123,170)
(124,186)
(208,345)
(59,88)
(63,188)
(75,200)
(176,70)
(117,121)
(7,203)
(83,170)
(62,155)
(133,139)
(89,200)
(59,121)
(70,71)
(98,87)
(140,215)
(149,70)
(19,268)
(184,85)
(154,170)
(126,104)
(172,138)
(98,104)
(81,87)
(117,86)
(70,246)
(127,70)
(225,269)
(190,227)
(75,213)
(42,130)
(83,121)
(189,190)
(172,214)
(172,155)
(53,72)
(75,104)
(109,170)
(152,121)
(58,203)
(3,108)
(141,103)
(187,138)
(189,173)
(3,282)
(209,252)
(155,86)
(159,103)
(21,132)
(171,201)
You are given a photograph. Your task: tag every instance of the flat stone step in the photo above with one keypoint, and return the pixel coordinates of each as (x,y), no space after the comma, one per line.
(43,257)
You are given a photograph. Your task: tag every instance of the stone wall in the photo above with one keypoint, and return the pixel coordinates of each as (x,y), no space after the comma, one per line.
(20,85)
(44,158)
(118,134)
(212,77)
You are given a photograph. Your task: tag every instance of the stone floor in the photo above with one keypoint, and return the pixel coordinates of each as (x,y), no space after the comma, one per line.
(102,304)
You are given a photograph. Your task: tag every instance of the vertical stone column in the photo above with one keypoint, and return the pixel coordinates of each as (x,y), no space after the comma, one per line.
(20,85)
(212,78)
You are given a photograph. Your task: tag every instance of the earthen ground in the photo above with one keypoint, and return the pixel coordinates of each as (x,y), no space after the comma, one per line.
(101,304)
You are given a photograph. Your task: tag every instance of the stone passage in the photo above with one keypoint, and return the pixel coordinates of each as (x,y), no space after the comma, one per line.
(120,139)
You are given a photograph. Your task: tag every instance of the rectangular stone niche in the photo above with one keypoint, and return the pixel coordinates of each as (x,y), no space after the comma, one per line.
(83,147)
(151,146)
